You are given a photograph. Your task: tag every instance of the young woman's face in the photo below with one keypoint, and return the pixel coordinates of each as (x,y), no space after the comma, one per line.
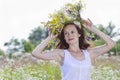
(71,34)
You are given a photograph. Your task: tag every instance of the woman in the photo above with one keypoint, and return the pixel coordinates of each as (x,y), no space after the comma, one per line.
(73,53)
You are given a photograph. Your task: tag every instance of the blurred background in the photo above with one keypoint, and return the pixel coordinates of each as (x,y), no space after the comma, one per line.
(22,28)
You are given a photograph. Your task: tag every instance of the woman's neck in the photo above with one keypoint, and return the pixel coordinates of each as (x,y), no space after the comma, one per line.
(74,48)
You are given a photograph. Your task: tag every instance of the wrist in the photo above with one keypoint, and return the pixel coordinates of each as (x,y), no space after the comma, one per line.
(49,38)
(93,29)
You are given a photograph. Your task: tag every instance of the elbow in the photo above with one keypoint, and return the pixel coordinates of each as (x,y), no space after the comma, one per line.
(36,54)
(112,44)
(33,54)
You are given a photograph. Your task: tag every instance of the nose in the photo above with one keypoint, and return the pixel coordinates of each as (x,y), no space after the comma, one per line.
(68,34)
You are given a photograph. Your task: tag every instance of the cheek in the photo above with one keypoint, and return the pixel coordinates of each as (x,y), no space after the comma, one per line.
(65,37)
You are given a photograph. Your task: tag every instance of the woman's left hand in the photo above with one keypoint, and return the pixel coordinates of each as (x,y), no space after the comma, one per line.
(88,24)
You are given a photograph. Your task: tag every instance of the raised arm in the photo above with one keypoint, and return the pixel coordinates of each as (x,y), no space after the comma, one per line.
(109,43)
(47,55)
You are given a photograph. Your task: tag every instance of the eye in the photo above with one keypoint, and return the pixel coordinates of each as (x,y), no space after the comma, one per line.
(72,32)
(65,33)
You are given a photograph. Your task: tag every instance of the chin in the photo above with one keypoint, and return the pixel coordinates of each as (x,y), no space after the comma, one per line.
(71,42)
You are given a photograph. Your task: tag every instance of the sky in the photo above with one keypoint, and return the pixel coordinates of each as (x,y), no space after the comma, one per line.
(19,17)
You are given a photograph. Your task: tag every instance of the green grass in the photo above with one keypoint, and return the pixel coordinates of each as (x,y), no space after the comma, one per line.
(42,71)
(102,70)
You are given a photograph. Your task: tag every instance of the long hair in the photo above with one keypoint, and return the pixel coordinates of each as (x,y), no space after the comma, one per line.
(82,42)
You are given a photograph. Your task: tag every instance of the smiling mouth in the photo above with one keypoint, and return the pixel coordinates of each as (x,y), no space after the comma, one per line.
(70,39)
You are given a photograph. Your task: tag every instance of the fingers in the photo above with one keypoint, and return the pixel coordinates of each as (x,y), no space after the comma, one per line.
(87,22)
(90,21)
(55,35)
(49,31)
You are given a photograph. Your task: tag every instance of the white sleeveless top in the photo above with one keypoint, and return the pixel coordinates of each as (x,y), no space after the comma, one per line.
(73,69)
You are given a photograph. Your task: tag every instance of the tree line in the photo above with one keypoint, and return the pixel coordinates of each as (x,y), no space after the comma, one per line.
(69,12)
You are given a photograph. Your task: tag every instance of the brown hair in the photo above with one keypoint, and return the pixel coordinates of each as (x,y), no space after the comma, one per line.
(82,42)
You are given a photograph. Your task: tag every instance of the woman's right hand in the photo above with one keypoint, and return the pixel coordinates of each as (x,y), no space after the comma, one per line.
(50,35)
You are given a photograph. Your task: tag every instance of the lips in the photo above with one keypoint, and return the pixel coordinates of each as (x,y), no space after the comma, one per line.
(70,39)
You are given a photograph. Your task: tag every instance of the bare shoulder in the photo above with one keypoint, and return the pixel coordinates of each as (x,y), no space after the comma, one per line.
(60,52)
(59,55)
(91,53)
(62,55)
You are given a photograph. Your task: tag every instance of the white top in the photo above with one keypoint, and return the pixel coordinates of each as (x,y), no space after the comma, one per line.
(73,69)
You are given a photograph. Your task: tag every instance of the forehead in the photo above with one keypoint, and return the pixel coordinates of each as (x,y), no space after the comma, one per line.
(70,27)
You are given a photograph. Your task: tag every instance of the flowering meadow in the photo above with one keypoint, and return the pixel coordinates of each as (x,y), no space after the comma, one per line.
(26,69)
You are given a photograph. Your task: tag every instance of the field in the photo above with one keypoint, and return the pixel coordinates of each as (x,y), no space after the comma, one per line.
(29,68)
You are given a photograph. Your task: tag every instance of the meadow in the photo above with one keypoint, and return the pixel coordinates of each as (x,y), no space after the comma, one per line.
(28,68)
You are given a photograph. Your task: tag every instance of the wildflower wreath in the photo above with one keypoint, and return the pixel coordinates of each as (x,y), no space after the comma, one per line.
(70,12)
